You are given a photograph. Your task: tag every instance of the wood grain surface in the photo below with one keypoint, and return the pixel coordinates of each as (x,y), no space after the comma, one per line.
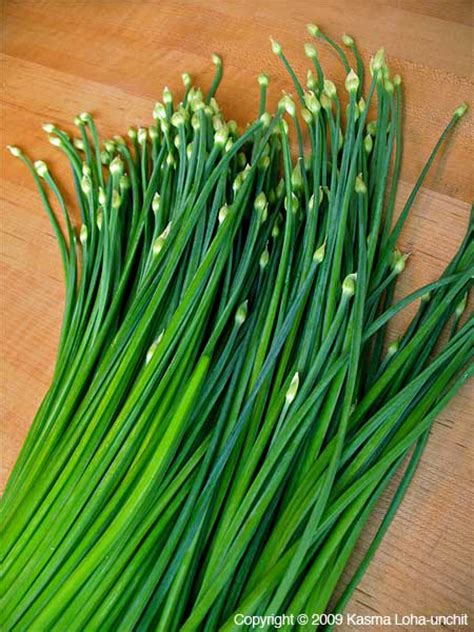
(113,59)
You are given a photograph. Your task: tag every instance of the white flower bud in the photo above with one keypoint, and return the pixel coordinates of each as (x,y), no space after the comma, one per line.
(216,59)
(167,96)
(293,388)
(221,136)
(320,253)
(15,151)
(99,218)
(330,89)
(116,200)
(262,79)
(49,128)
(460,110)
(83,234)
(310,51)
(360,186)
(264,258)
(348,285)
(398,261)
(102,197)
(347,40)
(160,240)
(153,347)
(116,166)
(155,205)
(307,116)
(86,185)
(352,82)
(41,168)
(142,135)
(312,102)
(276,47)
(223,212)
(241,313)
(186,77)
(313,30)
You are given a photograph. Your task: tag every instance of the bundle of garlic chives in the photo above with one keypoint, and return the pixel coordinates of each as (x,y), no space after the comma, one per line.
(222,417)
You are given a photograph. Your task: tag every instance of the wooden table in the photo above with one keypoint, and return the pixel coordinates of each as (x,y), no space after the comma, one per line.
(113,59)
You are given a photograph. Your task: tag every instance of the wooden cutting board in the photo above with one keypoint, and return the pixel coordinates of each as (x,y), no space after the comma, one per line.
(113,59)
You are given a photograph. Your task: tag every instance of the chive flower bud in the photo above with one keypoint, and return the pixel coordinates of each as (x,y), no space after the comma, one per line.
(461,306)
(124,182)
(86,185)
(264,162)
(276,228)
(155,205)
(460,110)
(296,178)
(159,113)
(311,82)
(223,212)
(326,102)
(360,186)
(78,144)
(55,141)
(178,119)
(310,51)
(49,128)
(83,234)
(276,47)
(377,62)
(116,199)
(388,85)
(264,258)
(142,135)
(292,204)
(372,128)
(41,168)
(241,313)
(313,30)
(170,160)
(260,204)
(330,89)
(347,40)
(15,151)
(348,285)
(398,261)
(307,116)
(167,96)
(287,104)
(189,151)
(132,133)
(160,240)
(368,144)
(85,117)
(266,119)
(186,78)
(320,253)
(397,80)
(393,348)
(312,103)
(352,82)
(293,388)
(99,218)
(280,188)
(116,166)
(263,79)
(153,347)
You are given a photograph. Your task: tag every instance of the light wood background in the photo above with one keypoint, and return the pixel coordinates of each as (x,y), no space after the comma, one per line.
(113,59)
